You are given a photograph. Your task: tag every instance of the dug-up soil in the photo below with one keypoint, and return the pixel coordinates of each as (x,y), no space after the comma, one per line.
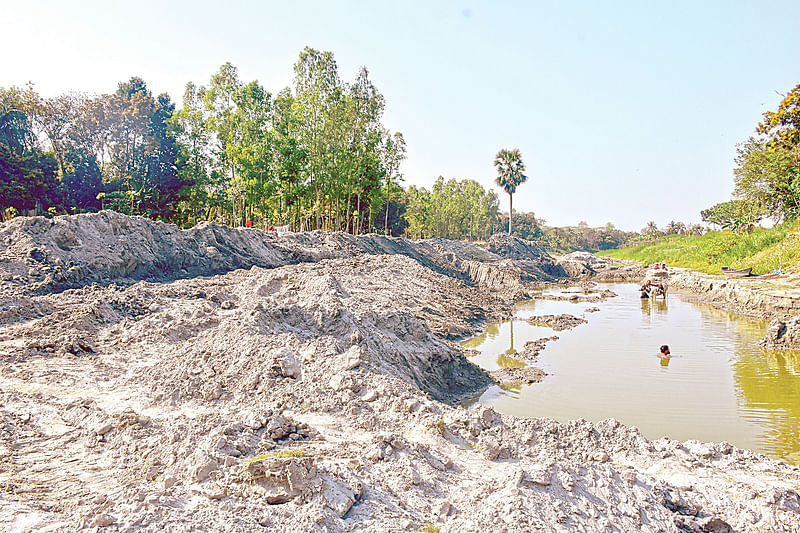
(220,379)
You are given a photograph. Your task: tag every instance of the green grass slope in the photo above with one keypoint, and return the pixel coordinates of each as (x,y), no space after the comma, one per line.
(760,249)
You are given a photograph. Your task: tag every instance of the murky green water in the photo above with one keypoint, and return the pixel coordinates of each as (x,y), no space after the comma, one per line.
(719,385)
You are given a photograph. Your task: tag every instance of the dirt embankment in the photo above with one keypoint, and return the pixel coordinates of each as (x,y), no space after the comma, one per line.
(41,255)
(307,386)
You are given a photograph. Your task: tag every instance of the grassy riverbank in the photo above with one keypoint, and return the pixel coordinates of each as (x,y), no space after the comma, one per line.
(763,249)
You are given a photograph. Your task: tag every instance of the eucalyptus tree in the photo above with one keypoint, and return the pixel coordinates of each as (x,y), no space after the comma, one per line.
(127,113)
(194,140)
(417,201)
(163,179)
(365,105)
(252,149)
(393,154)
(510,175)
(317,88)
(220,105)
(291,158)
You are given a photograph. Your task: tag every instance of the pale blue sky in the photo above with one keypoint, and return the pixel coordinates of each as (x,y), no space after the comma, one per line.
(624,111)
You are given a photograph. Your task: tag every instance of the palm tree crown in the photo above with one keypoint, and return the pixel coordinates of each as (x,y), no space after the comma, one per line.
(510,175)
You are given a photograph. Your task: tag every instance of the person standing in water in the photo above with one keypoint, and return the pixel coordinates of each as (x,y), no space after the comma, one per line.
(664,352)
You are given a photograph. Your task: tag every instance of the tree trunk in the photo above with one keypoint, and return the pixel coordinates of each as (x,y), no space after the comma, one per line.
(510,212)
(386,217)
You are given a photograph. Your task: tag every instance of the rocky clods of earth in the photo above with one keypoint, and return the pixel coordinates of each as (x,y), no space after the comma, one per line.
(234,380)
(522,375)
(557,322)
(783,334)
(584,265)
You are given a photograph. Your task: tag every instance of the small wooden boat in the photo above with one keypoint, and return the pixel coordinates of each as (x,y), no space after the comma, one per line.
(736,272)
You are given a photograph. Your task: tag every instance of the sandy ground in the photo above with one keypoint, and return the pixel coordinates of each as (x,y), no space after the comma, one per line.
(234,380)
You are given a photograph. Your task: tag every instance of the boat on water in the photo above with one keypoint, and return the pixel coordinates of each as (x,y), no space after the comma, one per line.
(736,272)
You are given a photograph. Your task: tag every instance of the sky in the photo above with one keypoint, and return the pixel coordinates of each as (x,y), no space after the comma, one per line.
(624,112)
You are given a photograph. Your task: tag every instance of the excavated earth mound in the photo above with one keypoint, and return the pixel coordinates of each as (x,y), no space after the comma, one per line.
(251,382)
(44,255)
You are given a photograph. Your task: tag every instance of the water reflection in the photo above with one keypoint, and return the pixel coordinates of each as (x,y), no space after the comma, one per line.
(504,361)
(513,388)
(653,306)
(721,386)
(768,380)
(492,331)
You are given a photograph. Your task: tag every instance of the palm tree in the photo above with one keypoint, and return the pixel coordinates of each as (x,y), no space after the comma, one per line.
(651,228)
(510,170)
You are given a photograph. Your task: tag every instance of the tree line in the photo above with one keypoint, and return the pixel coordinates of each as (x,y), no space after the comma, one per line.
(315,156)
(312,156)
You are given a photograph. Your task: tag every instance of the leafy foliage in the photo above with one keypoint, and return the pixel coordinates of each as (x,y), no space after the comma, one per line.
(767,173)
(782,127)
(452,210)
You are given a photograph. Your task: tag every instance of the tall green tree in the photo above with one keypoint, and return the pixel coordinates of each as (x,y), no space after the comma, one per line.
(194,157)
(81,182)
(767,180)
(510,175)
(28,176)
(220,103)
(163,178)
(394,153)
(317,89)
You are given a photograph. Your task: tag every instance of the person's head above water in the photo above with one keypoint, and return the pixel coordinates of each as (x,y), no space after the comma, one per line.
(665,350)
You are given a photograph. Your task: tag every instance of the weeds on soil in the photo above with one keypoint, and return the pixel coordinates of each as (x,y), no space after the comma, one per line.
(291,452)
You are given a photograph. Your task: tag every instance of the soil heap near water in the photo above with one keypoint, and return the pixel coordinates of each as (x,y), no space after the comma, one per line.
(228,379)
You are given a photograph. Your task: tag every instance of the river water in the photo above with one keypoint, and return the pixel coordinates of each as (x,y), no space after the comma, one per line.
(718,386)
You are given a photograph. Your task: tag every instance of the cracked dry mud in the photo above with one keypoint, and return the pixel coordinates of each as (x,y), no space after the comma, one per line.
(149,382)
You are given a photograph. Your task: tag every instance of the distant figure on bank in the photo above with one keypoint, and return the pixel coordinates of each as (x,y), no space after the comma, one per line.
(664,353)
